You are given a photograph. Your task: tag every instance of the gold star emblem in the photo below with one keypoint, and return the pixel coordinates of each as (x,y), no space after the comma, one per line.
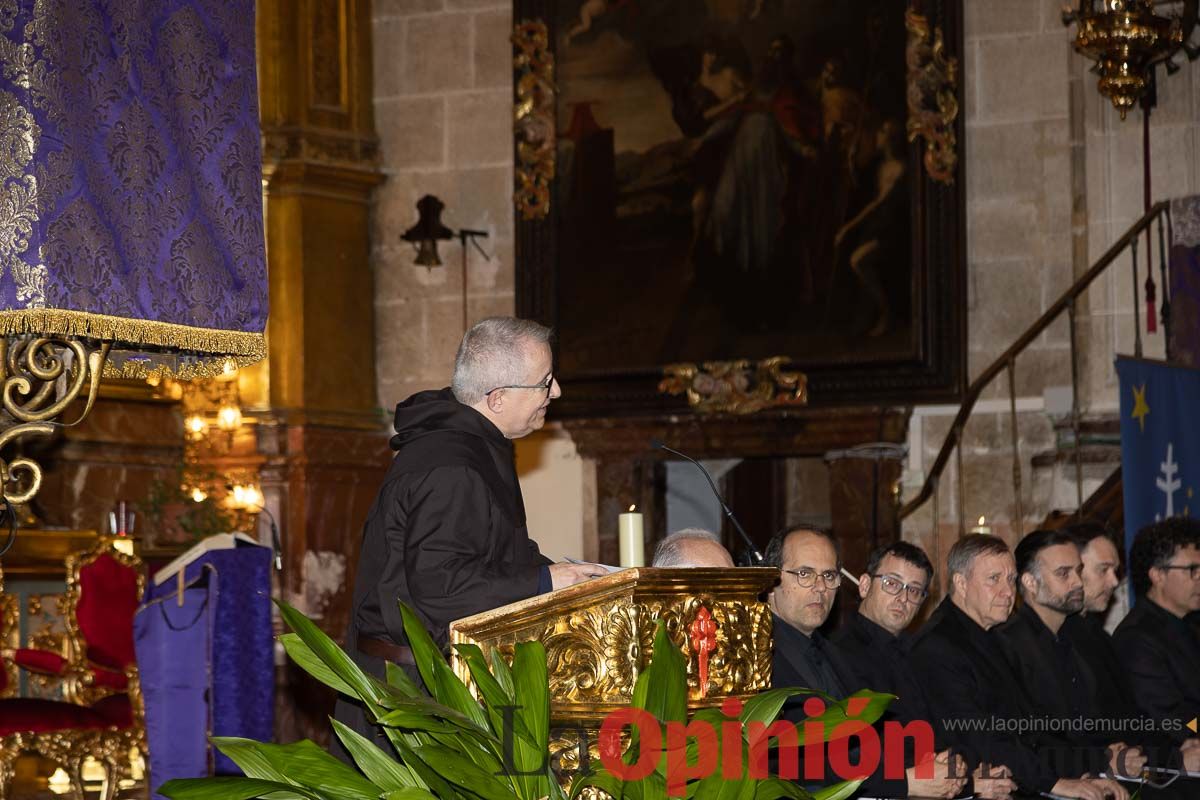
(1140,409)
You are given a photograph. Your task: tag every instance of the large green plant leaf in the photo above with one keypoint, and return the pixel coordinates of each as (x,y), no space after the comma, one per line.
(454,768)
(441,681)
(839,791)
(410,794)
(300,764)
(867,706)
(327,651)
(380,768)
(230,788)
(399,679)
(532,715)
(308,661)
(661,689)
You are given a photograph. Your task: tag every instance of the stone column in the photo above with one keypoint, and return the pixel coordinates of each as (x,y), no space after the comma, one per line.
(323,439)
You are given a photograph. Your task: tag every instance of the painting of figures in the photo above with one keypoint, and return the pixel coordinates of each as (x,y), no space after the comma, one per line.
(734,180)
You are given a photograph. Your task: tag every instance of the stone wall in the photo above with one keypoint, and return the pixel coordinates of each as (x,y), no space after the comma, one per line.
(1053,177)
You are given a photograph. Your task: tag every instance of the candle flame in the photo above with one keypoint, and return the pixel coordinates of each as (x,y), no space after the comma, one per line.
(982,520)
(632,508)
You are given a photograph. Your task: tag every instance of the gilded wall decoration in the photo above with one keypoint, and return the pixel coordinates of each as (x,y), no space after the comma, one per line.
(736,387)
(533,119)
(932,96)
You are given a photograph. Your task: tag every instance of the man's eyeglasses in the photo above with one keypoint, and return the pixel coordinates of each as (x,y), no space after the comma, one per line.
(1193,569)
(806,578)
(544,386)
(893,586)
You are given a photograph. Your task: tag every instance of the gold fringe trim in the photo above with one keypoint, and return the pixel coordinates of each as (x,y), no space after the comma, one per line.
(197,352)
(123,331)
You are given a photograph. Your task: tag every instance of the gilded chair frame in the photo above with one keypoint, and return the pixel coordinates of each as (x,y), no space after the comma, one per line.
(78,675)
(71,747)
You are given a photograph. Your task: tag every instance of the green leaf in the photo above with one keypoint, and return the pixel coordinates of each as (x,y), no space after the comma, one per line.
(307,660)
(410,794)
(773,788)
(836,713)
(661,689)
(532,715)
(327,651)
(380,768)
(398,678)
(502,672)
(418,721)
(454,768)
(441,681)
(299,764)
(405,745)
(229,788)
(765,706)
(839,791)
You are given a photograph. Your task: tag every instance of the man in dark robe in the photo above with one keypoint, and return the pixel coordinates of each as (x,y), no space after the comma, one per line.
(810,574)
(970,685)
(447,534)
(876,647)
(1055,675)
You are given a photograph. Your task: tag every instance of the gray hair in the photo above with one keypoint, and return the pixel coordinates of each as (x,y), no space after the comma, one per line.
(962,555)
(669,552)
(493,354)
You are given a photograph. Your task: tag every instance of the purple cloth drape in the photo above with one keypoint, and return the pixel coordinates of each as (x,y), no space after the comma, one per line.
(230,640)
(1185,281)
(131,174)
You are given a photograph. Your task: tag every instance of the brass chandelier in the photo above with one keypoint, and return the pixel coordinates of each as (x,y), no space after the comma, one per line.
(1127,38)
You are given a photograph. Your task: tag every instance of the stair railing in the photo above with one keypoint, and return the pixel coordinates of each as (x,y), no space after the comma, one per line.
(1006,363)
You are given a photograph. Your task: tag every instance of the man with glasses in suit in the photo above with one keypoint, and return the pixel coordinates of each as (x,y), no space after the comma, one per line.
(810,574)
(875,645)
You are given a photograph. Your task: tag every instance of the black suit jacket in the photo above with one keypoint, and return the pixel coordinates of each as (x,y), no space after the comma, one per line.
(1059,691)
(791,668)
(1161,654)
(970,685)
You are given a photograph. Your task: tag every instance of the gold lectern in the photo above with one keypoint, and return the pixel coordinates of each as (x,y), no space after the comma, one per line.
(599,636)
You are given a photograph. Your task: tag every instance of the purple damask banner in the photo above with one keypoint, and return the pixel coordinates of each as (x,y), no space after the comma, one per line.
(1185,281)
(131,176)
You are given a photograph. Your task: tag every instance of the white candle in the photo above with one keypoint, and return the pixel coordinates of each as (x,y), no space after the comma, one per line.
(982,527)
(633,546)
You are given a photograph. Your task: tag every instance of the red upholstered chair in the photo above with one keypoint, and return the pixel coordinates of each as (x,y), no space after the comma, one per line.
(104,587)
(104,718)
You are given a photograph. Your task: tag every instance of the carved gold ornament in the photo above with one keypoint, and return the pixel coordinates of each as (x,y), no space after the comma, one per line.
(40,377)
(736,387)
(599,635)
(533,123)
(932,98)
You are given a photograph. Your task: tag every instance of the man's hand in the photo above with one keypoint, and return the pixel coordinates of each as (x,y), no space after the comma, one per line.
(1086,788)
(949,777)
(1125,760)
(1191,755)
(567,574)
(994,782)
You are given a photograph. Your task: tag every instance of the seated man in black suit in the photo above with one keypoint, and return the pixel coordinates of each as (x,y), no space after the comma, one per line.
(969,684)
(1113,695)
(1158,648)
(1053,673)
(810,575)
(875,645)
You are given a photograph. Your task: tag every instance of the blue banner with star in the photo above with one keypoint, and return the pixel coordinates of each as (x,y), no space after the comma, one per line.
(1160,441)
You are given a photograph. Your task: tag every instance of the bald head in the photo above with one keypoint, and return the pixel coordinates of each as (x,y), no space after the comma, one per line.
(691,548)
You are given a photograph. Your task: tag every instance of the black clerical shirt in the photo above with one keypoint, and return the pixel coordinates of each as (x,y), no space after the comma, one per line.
(1161,653)
(880,661)
(812,662)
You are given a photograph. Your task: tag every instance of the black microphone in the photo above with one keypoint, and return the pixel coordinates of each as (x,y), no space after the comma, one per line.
(757,556)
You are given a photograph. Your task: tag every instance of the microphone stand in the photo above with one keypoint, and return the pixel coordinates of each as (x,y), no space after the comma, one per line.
(754,552)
